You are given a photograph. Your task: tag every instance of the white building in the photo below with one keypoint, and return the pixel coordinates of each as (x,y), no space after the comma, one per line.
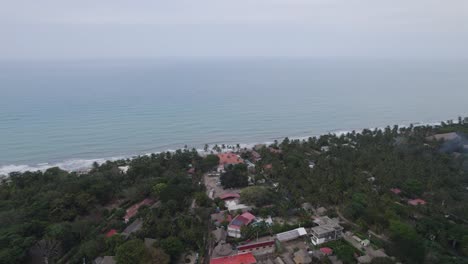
(291,234)
(327,230)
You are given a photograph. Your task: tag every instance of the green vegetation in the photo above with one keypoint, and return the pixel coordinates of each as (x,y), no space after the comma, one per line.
(132,252)
(343,250)
(355,176)
(235,176)
(64,216)
(257,195)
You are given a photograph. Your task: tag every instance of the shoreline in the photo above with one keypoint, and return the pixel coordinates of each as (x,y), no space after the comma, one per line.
(81,165)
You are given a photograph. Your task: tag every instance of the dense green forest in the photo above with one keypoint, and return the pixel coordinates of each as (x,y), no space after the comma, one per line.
(64,216)
(355,173)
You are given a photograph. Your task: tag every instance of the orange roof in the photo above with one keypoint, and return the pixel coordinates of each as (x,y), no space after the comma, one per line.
(229,158)
(237,259)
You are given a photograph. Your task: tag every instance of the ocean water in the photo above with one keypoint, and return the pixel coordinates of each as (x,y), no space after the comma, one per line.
(71,113)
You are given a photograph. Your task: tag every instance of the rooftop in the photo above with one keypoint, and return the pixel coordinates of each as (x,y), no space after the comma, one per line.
(229,158)
(291,234)
(241,220)
(133,210)
(256,155)
(133,227)
(256,245)
(417,202)
(326,250)
(247,258)
(111,233)
(229,196)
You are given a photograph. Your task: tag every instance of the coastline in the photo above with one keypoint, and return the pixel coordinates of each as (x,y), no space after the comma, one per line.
(82,165)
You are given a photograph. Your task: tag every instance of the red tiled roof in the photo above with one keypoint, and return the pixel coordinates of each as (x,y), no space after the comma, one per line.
(241,220)
(256,245)
(229,196)
(395,190)
(229,158)
(268,166)
(191,171)
(326,250)
(249,216)
(133,210)
(247,258)
(417,202)
(111,233)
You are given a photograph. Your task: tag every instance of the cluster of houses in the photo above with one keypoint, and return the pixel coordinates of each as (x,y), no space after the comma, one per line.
(231,221)
(264,249)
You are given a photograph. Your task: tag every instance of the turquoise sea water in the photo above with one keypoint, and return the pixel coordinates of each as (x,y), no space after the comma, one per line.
(70,113)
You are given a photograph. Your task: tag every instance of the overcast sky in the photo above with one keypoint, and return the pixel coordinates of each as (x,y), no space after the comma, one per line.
(63,29)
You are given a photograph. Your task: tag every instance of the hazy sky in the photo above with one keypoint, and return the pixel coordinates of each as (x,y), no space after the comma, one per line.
(58,29)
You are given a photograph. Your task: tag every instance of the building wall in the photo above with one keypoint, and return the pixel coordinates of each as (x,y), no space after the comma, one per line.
(233,232)
(317,240)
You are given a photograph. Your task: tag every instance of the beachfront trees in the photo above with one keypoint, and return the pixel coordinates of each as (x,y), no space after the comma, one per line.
(209,162)
(355,175)
(59,206)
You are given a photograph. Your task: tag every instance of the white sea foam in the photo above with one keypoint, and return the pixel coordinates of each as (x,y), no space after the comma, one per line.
(86,164)
(68,165)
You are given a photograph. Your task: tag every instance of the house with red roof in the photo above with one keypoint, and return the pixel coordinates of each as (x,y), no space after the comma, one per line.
(395,190)
(247,258)
(111,233)
(326,251)
(133,210)
(229,196)
(234,228)
(416,202)
(229,158)
(257,246)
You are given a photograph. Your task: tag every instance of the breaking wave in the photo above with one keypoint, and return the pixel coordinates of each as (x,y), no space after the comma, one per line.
(86,164)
